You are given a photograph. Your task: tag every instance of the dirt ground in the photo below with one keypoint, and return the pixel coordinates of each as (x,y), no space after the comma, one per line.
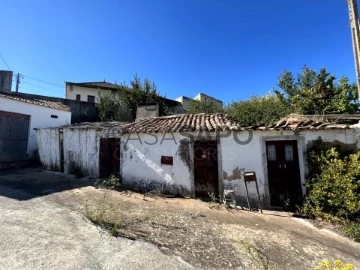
(203,236)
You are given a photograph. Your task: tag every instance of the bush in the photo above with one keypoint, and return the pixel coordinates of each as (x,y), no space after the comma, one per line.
(335,192)
(337,265)
(111,182)
(266,110)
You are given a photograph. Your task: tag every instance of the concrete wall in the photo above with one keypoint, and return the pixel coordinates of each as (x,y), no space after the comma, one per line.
(49,148)
(202,97)
(141,161)
(81,151)
(252,157)
(40,117)
(141,156)
(84,92)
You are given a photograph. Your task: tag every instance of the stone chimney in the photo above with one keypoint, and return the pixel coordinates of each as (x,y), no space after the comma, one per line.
(147,110)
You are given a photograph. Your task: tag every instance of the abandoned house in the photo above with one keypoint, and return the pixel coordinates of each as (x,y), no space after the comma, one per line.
(19,116)
(85,149)
(204,153)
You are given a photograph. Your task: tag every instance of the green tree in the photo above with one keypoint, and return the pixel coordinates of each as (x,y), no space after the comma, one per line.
(121,105)
(258,110)
(206,106)
(317,92)
(141,91)
(111,108)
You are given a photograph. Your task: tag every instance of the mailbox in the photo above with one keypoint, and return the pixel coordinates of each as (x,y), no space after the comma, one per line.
(249,176)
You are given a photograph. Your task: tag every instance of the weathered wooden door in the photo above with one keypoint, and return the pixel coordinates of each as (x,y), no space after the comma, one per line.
(14,133)
(109,157)
(206,168)
(283,172)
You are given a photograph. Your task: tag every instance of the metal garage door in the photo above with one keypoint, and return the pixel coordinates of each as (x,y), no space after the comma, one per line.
(14,132)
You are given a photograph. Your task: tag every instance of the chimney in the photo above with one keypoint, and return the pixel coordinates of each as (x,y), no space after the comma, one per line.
(5,80)
(147,110)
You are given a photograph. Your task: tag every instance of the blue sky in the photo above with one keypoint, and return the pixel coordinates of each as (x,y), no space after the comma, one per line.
(230,49)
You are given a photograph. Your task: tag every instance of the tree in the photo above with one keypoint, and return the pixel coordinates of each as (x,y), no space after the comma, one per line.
(110,108)
(141,92)
(317,92)
(258,110)
(206,106)
(121,105)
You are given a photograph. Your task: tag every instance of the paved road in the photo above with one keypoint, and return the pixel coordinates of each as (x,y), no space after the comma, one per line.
(39,234)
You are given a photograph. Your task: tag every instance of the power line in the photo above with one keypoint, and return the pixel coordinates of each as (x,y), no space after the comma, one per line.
(39,80)
(4,61)
(43,87)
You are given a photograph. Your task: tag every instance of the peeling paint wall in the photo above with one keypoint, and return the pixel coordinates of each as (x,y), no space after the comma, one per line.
(141,161)
(252,157)
(49,148)
(81,151)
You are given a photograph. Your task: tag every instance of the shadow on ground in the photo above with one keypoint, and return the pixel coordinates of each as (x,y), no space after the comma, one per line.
(36,182)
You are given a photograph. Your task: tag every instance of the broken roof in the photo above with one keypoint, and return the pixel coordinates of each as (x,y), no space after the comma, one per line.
(221,122)
(35,100)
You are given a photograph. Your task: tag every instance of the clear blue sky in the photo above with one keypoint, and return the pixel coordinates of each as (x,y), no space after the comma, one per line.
(230,49)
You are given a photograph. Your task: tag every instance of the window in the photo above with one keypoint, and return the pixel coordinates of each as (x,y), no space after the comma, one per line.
(271,152)
(289,152)
(78,97)
(91,99)
(54,116)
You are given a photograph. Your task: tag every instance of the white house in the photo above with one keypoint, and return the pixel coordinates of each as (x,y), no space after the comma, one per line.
(84,149)
(199,97)
(20,116)
(204,153)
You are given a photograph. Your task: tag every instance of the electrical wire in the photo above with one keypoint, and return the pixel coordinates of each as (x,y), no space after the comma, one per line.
(5,61)
(39,80)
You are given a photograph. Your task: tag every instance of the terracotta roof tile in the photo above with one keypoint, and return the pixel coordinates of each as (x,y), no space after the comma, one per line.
(38,101)
(213,122)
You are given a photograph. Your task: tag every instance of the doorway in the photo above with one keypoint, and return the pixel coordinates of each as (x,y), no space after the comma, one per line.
(283,173)
(206,168)
(109,160)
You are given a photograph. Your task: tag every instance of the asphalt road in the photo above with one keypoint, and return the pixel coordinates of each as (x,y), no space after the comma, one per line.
(38,234)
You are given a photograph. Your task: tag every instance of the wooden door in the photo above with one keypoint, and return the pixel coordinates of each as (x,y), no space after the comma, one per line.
(109,157)
(206,168)
(283,172)
(14,132)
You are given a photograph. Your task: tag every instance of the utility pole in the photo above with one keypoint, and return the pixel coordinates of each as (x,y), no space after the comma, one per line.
(355,33)
(17,82)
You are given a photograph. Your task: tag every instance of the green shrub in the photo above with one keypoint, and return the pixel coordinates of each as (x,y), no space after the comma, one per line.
(337,265)
(335,192)
(111,182)
(352,229)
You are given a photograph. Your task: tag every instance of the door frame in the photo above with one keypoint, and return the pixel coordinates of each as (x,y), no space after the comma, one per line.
(301,149)
(210,137)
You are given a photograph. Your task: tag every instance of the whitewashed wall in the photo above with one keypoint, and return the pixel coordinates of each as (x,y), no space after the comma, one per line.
(40,117)
(141,161)
(81,151)
(48,140)
(252,156)
(84,92)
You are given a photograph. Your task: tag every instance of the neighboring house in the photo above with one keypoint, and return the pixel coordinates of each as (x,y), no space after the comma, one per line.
(81,111)
(204,153)
(20,115)
(199,97)
(89,149)
(89,91)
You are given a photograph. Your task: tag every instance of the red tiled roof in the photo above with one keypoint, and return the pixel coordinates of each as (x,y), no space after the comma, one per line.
(37,101)
(213,122)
